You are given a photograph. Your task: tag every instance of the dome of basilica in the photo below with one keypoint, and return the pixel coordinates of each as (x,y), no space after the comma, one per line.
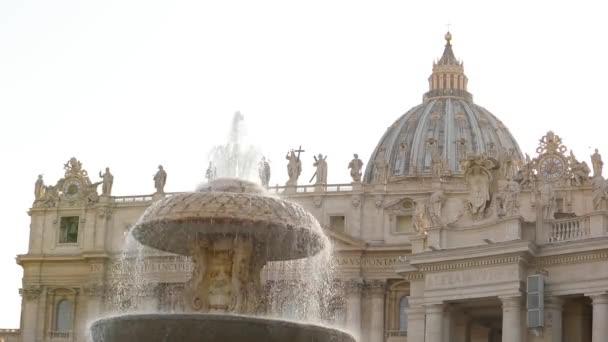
(438,135)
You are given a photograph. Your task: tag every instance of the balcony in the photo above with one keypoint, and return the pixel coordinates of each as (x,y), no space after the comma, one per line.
(60,335)
(577,228)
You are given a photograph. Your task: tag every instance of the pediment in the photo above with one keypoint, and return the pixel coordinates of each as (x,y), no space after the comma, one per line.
(402,204)
(344,242)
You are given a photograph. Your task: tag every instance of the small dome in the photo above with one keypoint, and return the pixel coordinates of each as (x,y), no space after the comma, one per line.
(447,127)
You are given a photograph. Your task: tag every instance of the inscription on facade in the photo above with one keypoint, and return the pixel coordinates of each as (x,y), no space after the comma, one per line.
(151,266)
(367,262)
(470,277)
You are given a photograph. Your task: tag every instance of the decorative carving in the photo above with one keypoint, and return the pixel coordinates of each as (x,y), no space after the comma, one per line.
(160,179)
(597,163)
(355,200)
(379,200)
(317,200)
(31,292)
(551,143)
(355,167)
(438,165)
(264,172)
(526,176)
(580,171)
(106,183)
(479,176)
(73,168)
(105,212)
(294,166)
(321,172)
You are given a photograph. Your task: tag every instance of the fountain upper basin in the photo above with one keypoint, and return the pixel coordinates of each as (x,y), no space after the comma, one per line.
(210,327)
(230,207)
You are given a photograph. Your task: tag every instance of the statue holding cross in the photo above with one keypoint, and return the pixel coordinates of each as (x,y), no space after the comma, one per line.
(294,166)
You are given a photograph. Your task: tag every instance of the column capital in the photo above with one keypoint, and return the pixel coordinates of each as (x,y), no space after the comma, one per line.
(375,286)
(432,308)
(353,287)
(554,303)
(598,298)
(31,292)
(511,301)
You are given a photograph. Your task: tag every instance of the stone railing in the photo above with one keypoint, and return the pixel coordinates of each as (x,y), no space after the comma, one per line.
(132,199)
(60,335)
(569,229)
(279,189)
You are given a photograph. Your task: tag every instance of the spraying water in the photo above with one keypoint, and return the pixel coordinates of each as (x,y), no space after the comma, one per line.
(237,157)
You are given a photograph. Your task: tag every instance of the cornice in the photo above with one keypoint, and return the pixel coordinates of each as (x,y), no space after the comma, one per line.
(568,259)
(481,251)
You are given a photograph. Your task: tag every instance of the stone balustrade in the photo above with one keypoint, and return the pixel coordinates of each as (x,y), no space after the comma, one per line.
(569,229)
(577,228)
(311,188)
(60,335)
(396,336)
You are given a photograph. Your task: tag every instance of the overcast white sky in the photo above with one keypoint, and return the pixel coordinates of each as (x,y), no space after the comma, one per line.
(133,84)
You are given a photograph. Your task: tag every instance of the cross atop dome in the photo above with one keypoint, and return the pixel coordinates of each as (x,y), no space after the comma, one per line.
(448,78)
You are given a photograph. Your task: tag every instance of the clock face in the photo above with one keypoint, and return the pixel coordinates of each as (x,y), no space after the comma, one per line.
(71,189)
(552,168)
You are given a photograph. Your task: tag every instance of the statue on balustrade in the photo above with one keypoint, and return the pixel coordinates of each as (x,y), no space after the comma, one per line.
(294,167)
(39,189)
(597,163)
(355,167)
(580,170)
(160,179)
(264,172)
(507,163)
(546,199)
(321,172)
(600,192)
(107,181)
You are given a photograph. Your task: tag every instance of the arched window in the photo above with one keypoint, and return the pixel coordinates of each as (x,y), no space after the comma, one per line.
(403,309)
(63,316)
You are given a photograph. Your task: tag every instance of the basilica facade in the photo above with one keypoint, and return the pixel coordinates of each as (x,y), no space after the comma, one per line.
(450,234)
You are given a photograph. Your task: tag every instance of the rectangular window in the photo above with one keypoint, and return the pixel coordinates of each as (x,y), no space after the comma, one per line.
(336,223)
(68,229)
(404,224)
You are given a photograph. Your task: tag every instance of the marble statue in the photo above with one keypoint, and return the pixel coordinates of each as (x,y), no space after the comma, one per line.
(436,203)
(321,172)
(507,163)
(600,192)
(422,219)
(478,175)
(437,162)
(107,181)
(160,179)
(546,196)
(211,172)
(525,176)
(91,195)
(294,167)
(264,172)
(355,166)
(597,163)
(51,195)
(39,189)
(508,199)
(580,170)
(381,166)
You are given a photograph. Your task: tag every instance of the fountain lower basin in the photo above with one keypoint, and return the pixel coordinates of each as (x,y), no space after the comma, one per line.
(210,327)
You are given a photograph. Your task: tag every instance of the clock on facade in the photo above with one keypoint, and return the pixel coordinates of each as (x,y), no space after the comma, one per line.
(71,189)
(552,168)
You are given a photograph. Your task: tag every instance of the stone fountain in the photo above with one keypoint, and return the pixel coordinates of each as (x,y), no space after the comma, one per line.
(230,228)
